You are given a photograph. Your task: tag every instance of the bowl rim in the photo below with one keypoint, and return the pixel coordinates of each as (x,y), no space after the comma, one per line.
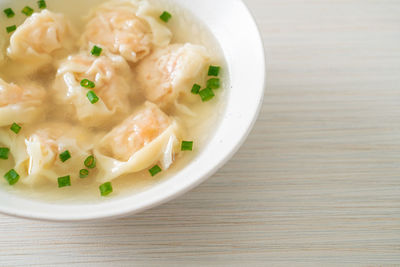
(172,194)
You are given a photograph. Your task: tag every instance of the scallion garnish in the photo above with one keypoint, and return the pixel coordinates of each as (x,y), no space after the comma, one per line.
(90,162)
(42,4)
(155,170)
(15,128)
(9,12)
(165,16)
(187,146)
(87,83)
(27,11)
(10,29)
(206,94)
(4,151)
(213,83)
(12,177)
(96,51)
(214,71)
(64,181)
(196,89)
(83,173)
(93,98)
(106,189)
(65,156)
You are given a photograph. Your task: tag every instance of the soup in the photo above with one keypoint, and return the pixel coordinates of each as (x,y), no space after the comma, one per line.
(103,102)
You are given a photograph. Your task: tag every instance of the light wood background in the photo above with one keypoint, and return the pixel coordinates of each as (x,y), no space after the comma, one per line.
(316,184)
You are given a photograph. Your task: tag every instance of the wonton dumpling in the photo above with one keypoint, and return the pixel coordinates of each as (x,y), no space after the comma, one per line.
(169,73)
(43,148)
(112,77)
(20,104)
(40,37)
(127,28)
(146,137)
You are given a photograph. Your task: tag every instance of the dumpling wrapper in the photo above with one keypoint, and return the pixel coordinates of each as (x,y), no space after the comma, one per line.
(168,74)
(16,144)
(36,42)
(161,148)
(113,85)
(130,28)
(20,104)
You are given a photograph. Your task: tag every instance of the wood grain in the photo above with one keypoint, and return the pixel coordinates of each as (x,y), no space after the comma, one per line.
(316,184)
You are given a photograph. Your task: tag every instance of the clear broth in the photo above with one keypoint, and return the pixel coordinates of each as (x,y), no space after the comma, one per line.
(185,28)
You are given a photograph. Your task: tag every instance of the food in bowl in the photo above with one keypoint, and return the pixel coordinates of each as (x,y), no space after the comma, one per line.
(102,103)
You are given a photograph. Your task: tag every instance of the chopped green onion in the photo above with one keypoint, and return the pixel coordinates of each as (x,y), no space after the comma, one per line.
(9,12)
(93,98)
(214,70)
(165,16)
(90,162)
(187,146)
(155,170)
(96,51)
(64,181)
(12,177)
(4,151)
(42,4)
(206,94)
(106,189)
(65,156)
(10,29)
(83,173)
(27,11)
(15,128)
(213,83)
(87,83)
(196,89)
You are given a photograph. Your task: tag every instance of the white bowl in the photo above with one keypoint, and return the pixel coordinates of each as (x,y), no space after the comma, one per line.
(237,33)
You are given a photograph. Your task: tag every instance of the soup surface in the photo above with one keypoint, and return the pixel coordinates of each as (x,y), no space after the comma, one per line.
(99,94)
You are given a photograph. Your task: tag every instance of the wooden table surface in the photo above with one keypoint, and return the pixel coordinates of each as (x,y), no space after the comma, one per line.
(316,184)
